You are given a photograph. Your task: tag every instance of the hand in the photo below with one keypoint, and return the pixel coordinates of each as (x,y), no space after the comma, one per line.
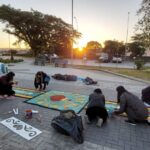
(116,111)
(16,82)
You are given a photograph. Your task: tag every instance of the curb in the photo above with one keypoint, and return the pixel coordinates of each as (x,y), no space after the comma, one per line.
(117,74)
(128,77)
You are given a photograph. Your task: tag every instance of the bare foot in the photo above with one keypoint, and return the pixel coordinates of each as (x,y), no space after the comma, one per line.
(10,97)
(5,96)
(1,96)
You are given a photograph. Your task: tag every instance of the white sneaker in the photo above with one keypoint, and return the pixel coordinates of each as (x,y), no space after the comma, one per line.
(99,122)
(87,119)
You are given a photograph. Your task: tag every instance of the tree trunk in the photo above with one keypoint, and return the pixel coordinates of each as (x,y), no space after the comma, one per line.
(11,56)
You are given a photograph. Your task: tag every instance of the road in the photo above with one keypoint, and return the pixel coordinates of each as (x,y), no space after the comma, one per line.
(26,70)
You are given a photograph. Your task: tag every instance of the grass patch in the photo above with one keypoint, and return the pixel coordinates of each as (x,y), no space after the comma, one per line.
(141,74)
(7,61)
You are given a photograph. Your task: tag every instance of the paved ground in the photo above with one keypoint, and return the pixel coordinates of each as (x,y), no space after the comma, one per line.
(116,135)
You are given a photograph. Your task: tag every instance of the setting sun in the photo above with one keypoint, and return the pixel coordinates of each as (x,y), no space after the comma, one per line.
(80,49)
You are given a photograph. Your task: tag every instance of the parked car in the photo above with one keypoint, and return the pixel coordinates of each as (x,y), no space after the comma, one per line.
(104,58)
(53,57)
(117,60)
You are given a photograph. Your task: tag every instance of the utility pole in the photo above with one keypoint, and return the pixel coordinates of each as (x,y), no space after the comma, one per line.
(72,37)
(76,22)
(126,48)
(9,40)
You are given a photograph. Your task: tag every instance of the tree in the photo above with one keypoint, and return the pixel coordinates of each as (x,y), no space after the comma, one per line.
(93,45)
(41,32)
(114,48)
(93,48)
(143,25)
(12,53)
(137,49)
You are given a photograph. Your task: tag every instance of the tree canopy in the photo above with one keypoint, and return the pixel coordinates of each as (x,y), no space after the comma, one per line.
(93,45)
(40,31)
(137,49)
(114,48)
(143,25)
(93,48)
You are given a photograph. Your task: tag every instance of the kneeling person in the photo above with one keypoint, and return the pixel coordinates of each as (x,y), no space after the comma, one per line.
(96,107)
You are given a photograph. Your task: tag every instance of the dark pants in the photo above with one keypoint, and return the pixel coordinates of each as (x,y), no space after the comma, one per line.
(146,95)
(6,90)
(95,112)
(39,85)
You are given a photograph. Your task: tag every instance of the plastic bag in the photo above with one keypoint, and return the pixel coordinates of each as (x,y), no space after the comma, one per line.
(69,123)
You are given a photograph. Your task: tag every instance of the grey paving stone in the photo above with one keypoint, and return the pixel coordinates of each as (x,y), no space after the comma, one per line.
(115,135)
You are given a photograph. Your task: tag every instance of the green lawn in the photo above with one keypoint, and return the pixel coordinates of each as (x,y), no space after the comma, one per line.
(141,74)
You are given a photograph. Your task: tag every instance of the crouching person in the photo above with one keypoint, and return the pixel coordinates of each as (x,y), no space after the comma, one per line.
(41,80)
(6,85)
(96,108)
(130,104)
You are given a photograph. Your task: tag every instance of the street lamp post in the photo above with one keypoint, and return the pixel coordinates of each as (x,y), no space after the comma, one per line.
(76,22)
(76,42)
(127,33)
(72,37)
(9,40)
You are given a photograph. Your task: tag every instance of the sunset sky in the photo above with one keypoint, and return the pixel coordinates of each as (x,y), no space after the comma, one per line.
(97,20)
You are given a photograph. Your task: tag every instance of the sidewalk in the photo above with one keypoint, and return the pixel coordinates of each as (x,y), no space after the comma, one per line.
(116,135)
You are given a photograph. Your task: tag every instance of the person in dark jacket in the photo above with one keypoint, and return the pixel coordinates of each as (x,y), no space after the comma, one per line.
(130,104)
(96,107)
(146,95)
(41,80)
(6,84)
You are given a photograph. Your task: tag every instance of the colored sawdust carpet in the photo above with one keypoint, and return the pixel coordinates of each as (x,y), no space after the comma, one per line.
(60,101)
(69,101)
(110,106)
(26,93)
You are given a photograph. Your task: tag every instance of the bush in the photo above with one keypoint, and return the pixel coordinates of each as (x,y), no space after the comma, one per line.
(25,55)
(9,61)
(139,64)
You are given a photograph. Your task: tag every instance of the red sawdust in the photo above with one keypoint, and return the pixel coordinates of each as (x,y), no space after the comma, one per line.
(57,97)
